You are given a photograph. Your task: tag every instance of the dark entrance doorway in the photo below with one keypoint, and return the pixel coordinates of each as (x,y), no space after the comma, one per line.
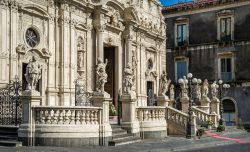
(150,94)
(229,112)
(109,53)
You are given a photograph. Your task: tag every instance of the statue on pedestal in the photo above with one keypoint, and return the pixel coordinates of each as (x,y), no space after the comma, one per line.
(101,75)
(171,92)
(184,87)
(33,73)
(205,89)
(214,90)
(164,83)
(128,79)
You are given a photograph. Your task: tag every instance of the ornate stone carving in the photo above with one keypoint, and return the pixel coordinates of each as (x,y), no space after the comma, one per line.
(214,90)
(171,92)
(128,80)
(205,89)
(21,48)
(33,73)
(164,84)
(101,75)
(81,49)
(184,88)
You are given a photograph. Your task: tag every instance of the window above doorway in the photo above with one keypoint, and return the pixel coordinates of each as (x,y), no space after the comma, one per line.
(225,25)
(181,32)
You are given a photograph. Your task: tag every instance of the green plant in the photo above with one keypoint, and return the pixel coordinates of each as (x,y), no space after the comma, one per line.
(207,123)
(200,132)
(220,128)
(112,110)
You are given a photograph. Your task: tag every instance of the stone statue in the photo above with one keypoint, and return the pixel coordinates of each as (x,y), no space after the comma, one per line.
(214,90)
(205,89)
(80,60)
(184,87)
(164,83)
(101,75)
(171,92)
(128,79)
(33,73)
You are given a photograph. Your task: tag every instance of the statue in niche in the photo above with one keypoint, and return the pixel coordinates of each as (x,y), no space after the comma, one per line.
(33,73)
(214,90)
(184,87)
(164,83)
(171,92)
(80,62)
(101,75)
(128,79)
(205,89)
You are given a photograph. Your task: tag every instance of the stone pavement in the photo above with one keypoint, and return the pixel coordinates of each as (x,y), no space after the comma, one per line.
(205,144)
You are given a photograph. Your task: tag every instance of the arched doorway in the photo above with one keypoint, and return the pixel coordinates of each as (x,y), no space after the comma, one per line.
(230,112)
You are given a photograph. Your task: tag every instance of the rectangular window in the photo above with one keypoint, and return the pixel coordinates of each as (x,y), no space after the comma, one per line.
(181,69)
(181,34)
(226,69)
(225,29)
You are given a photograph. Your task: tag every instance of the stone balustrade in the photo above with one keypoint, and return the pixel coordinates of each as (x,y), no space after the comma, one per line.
(151,113)
(67,115)
(176,116)
(202,116)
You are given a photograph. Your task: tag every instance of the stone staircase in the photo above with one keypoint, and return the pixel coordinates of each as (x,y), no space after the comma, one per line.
(9,136)
(122,137)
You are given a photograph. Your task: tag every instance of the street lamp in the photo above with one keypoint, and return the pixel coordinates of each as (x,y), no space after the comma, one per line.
(225,86)
(189,124)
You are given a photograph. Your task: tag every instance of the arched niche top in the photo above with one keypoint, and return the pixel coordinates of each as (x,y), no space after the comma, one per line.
(35,9)
(81,26)
(116,4)
(24,51)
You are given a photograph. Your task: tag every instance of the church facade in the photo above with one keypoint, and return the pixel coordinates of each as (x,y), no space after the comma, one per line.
(68,37)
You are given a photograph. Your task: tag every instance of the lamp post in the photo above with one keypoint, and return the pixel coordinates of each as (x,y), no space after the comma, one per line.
(221,86)
(187,84)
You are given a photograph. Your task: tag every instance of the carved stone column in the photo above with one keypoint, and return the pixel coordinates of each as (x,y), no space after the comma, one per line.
(26,131)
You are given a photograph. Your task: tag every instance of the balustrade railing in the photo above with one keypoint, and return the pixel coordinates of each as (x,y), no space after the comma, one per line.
(67,115)
(202,116)
(151,113)
(176,116)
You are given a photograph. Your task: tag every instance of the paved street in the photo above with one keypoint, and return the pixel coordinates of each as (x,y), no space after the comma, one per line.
(205,144)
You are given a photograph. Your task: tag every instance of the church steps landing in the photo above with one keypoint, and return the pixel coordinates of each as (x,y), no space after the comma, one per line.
(121,137)
(9,136)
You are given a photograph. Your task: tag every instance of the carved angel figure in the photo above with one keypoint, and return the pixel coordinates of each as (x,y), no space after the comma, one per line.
(101,75)
(171,92)
(128,79)
(164,83)
(33,73)
(184,87)
(205,89)
(214,90)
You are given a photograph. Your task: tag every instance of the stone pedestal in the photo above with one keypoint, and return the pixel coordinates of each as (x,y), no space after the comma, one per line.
(184,104)
(162,101)
(172,103)
(102,100)
(205,104)
(215,106)
(29,99)
(129,121)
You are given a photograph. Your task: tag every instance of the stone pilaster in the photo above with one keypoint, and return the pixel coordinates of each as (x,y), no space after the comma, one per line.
(184,104)
(129,121)
(215,106)
(205,105)
(163,101)
(102,100)
(26,130)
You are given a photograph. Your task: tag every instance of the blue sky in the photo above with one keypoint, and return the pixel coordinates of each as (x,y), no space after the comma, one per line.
(170,2)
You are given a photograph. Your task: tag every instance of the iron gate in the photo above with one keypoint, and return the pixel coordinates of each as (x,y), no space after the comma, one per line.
(10,103)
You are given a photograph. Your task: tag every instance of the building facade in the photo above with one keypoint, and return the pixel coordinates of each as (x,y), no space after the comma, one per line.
(67,37)
(211,39)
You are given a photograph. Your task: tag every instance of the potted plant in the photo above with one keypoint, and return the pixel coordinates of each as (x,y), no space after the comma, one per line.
(112,112)
(200,132)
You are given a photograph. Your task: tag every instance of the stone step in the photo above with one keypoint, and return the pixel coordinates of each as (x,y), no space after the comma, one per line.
(118,133)
(8,137)
(125,141)
(10,143)
(120,137)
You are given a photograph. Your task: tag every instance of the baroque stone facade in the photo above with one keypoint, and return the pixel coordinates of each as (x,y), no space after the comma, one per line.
(67,37)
